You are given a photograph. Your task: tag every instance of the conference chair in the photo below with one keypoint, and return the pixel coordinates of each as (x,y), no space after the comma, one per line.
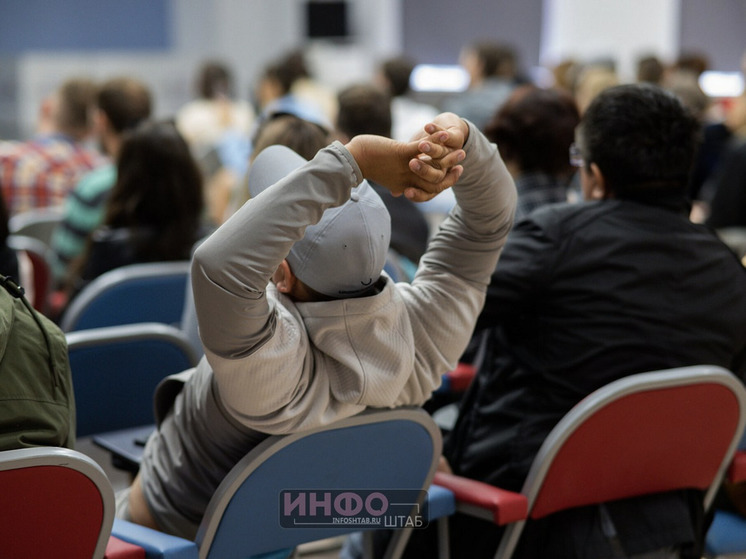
(40,258)
(116,369)
(152,292)
(726,536)
(643,434)
(38,223)
(375,465)
(54,502)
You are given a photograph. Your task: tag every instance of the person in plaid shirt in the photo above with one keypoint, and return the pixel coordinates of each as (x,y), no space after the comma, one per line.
(39,173)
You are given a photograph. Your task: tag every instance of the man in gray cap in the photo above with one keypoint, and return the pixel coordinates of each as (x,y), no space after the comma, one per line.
(299,323)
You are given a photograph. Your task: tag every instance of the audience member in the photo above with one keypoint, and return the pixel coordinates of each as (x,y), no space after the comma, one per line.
(493,71)
(121,104)
(586,294)
(366,109)
(217,126)
(565,74)
(534,130)
(693,62)
(8,258)
(309,89)
(155,210)
(715,137)
(215,112)
(735,118)
(650,70)
(727,208)
(40,172)
(275,93)
(592,80)
(37,402)
(302,136)
(408,115)
(294,307)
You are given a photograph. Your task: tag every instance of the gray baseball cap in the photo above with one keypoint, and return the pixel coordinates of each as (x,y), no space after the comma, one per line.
(344,253)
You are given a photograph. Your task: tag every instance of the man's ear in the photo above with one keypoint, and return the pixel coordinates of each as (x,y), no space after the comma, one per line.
(283,278)
(594,187)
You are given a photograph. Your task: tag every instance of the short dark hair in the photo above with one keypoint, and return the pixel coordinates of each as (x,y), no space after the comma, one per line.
(497,59)
(302,136)
(76,98)
(641,137)
(364,109)
(535,128)
(650,69)
(214,79)
(126,102)
(397,72)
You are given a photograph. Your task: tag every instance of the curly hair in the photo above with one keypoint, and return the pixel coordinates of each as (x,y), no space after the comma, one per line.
(534,128)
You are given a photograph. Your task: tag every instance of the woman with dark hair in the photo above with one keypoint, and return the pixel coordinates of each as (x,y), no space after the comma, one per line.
(534,130)
(155,210)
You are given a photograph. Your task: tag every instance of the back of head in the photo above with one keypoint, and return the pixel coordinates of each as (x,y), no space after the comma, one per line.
(497,59)
(75,98)
(535,128)
(214,80)
(126,102)
(694,62)
(397,72)
(342,255)
(302,136)
(364,109)
(158,181)
(650,70)
(642,139)
(591,81)
(685,85)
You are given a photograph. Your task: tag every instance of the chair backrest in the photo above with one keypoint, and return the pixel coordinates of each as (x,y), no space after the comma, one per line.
(643,434)
(116,370)
(377,451)
(54,502)
(38,223)
(152,292)
(40,256)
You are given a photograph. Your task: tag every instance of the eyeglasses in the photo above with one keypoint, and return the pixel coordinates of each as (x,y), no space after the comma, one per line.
(576,158)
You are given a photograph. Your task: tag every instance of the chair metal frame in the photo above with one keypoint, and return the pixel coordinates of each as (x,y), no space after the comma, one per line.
(41,259)
(686,425)
(251,492)
(124,340)
(150,280)
(38,223)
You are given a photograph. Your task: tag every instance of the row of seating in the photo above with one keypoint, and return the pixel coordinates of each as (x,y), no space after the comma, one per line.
(592,456)
(59,503)
(642,434)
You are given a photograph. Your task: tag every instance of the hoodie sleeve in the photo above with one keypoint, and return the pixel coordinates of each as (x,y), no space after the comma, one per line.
(448,291)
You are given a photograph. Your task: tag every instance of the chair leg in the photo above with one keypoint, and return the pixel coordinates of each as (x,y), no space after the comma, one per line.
(444,540)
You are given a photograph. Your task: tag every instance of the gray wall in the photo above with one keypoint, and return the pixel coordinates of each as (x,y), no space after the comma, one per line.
(435,30)
(716,28)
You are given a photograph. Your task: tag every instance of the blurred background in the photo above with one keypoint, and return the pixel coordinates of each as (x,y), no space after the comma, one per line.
(164,41)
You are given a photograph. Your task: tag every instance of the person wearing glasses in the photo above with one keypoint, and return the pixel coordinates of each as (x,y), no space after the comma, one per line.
(585,294)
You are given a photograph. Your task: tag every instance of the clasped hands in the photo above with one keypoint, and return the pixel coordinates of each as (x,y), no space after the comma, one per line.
(419,169)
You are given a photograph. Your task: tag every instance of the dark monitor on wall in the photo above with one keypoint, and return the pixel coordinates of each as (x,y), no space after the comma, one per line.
(327,19)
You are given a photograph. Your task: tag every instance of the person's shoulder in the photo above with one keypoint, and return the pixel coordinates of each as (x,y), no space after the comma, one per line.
(562,219)
(96,181)
(566,212)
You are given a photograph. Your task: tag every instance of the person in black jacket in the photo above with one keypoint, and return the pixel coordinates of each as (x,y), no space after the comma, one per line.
(588,293)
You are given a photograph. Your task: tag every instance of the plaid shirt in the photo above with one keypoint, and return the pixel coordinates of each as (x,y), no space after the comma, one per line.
(537,189)
(40,173)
